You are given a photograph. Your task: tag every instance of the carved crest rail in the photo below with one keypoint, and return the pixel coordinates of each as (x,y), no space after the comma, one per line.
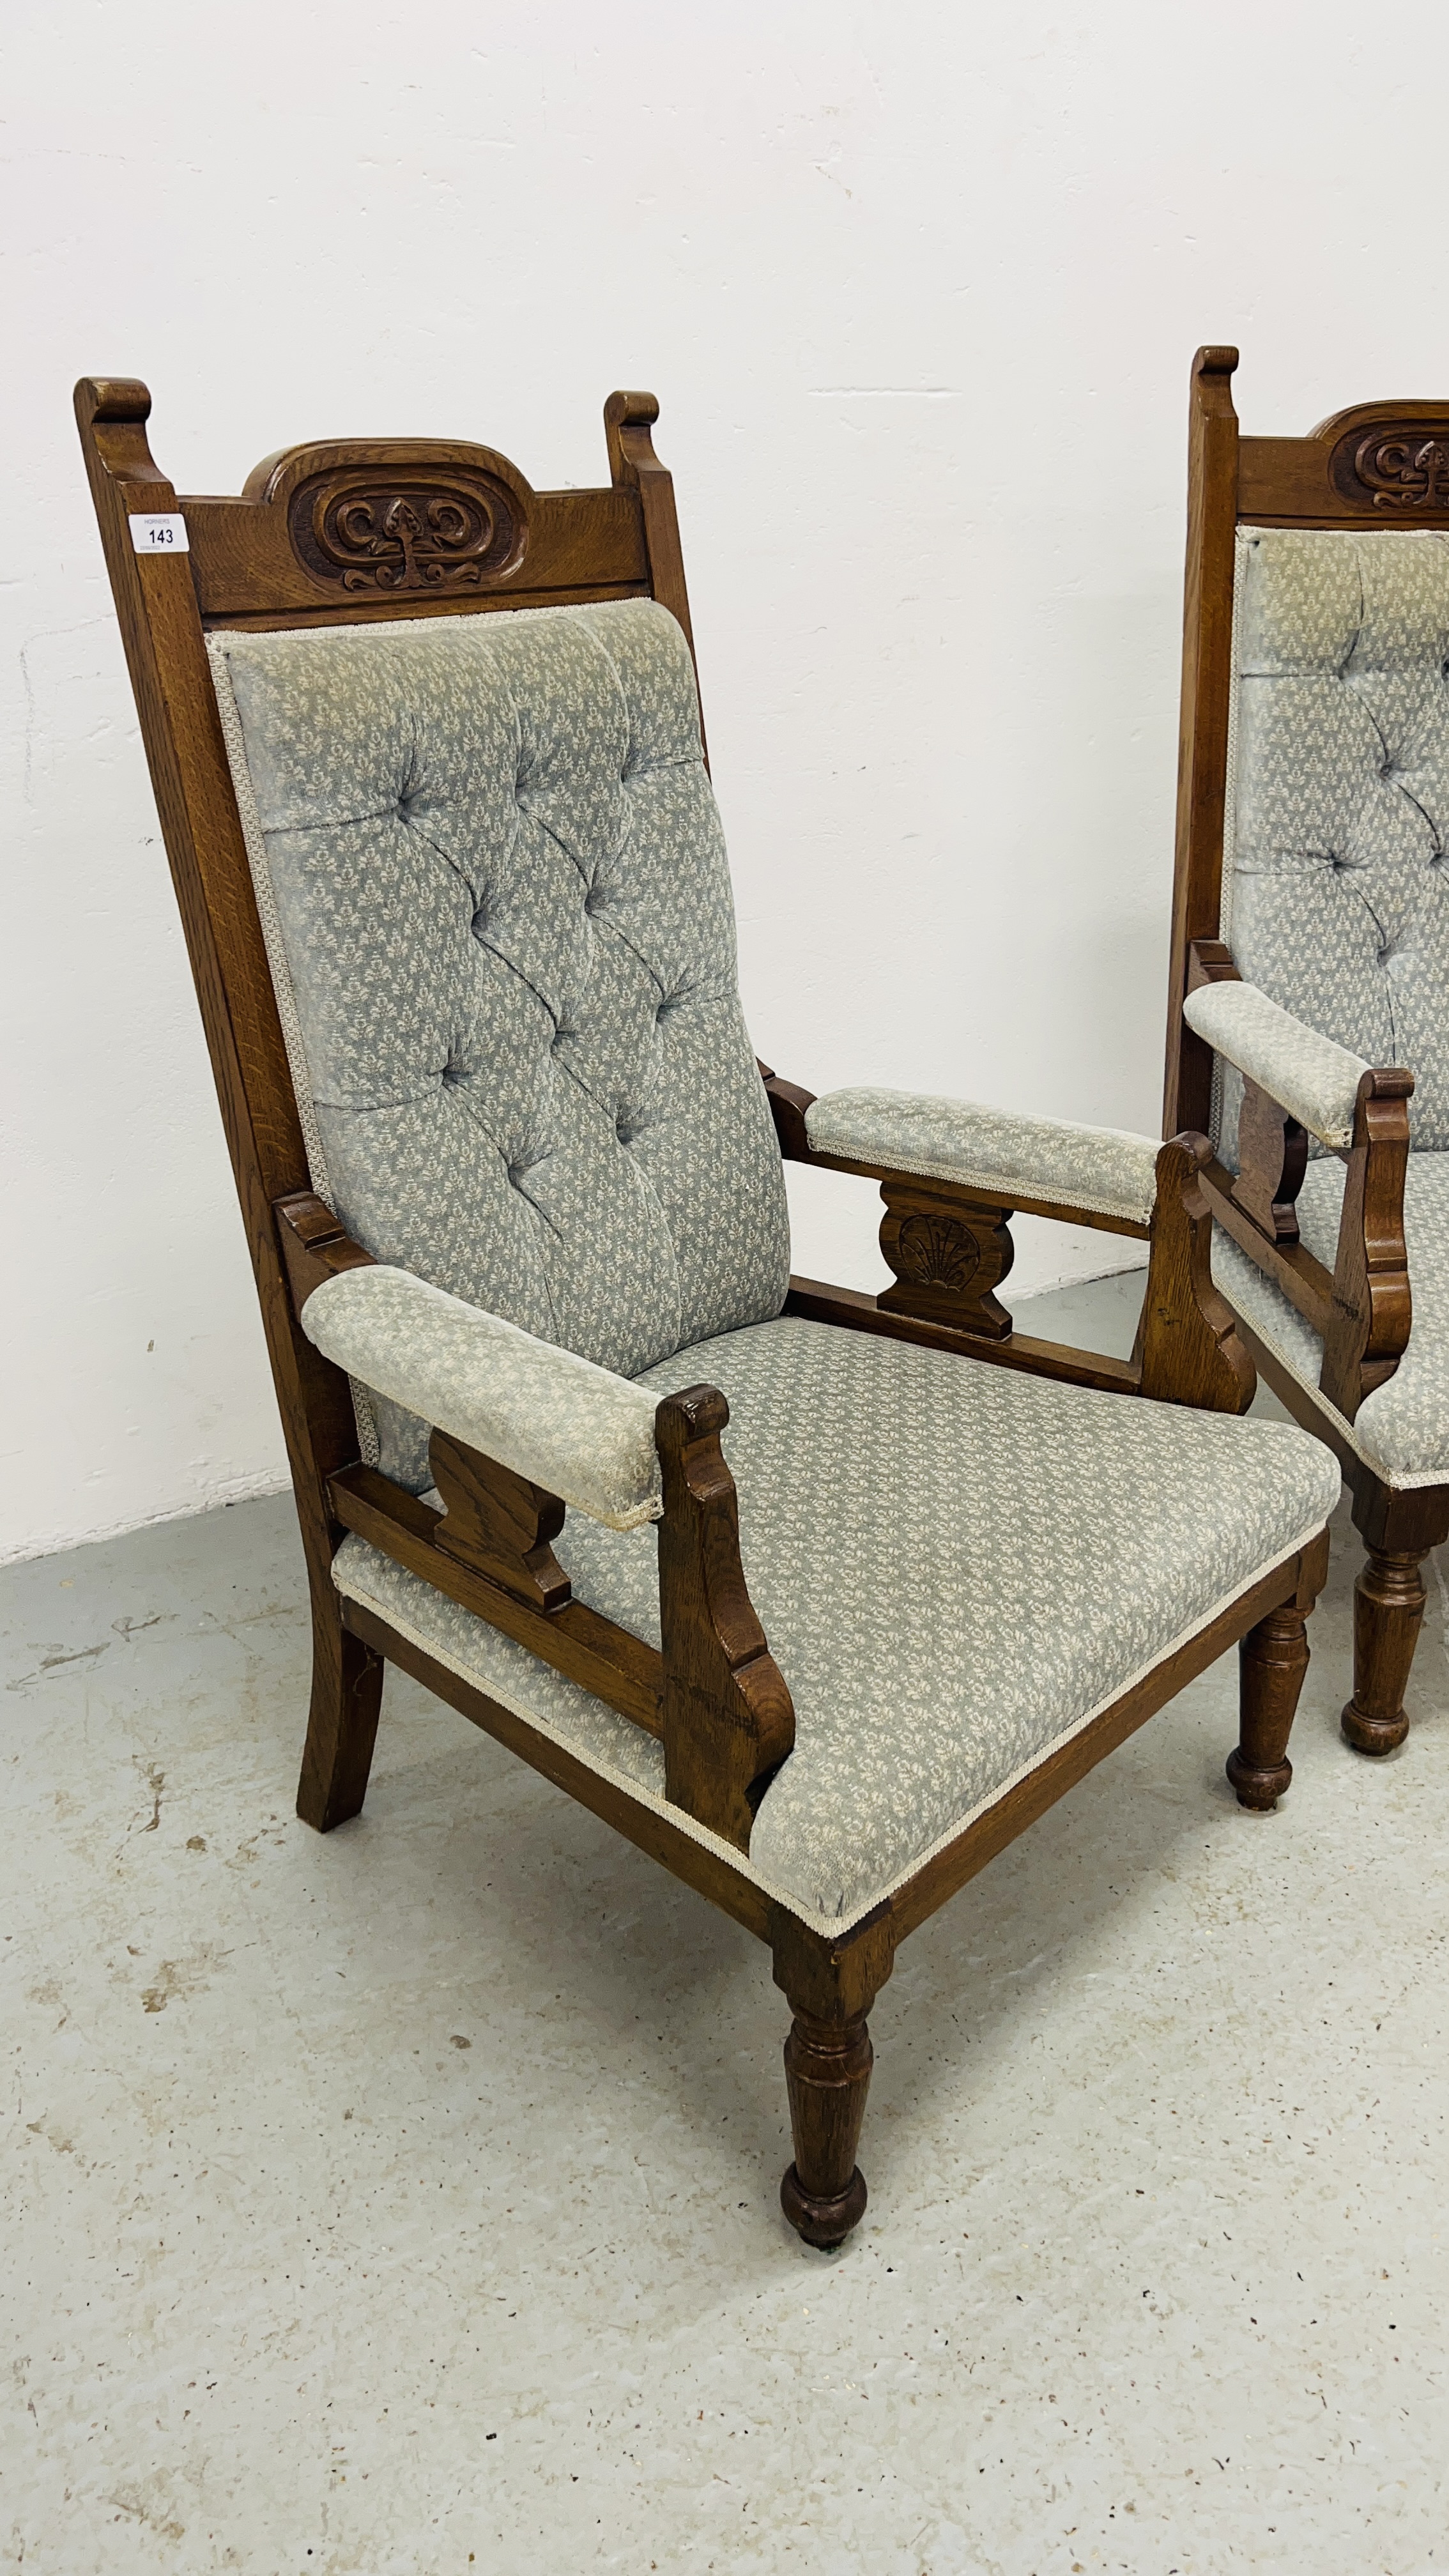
(363,531)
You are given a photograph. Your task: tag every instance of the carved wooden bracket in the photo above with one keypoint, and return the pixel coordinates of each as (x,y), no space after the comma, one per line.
(728,1717)
(1367,1331)
(1188,1348)
(948,1254)
(499,1523)
(1272,1159)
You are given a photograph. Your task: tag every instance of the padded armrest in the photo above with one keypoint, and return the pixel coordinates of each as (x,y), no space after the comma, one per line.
(1104,1169)
(578,1430)
(1316,1081)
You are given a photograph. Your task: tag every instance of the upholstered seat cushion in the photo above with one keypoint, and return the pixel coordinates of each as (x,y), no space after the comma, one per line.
(956,1566)
(1402,1429)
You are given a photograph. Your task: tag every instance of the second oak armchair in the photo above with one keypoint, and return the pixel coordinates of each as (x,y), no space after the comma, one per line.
(1309,1009)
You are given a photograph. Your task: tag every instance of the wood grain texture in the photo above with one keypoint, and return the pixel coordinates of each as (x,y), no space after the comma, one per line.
(1272,1162)
(949,1254)
(831,1985)
(1188,1348)
(1388,1612)
(788,1104)
(638,475)
(315,1245)
(499,1523)
(1272,1660)
(160,624)
(342,1723)
(342,530)
(728,1718)
(1372,1313)
(1302,1278)
(1207,679)
(1378,465)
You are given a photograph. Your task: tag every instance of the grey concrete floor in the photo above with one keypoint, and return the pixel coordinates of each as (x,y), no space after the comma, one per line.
(405,2202)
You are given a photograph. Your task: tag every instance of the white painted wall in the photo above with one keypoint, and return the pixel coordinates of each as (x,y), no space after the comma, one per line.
(917,287)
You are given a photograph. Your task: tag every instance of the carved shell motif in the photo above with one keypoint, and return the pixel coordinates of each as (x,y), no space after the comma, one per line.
(937,1252)
(412,531)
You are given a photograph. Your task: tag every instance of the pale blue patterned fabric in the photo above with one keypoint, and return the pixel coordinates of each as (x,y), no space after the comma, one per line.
(495,889)
(1106,1169)
(955,1565)
(1302,1071)
(1402,1429)
(578,1430)
(1336,893)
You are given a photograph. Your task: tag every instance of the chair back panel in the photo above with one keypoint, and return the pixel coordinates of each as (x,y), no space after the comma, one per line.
(497,906)
(1335,891)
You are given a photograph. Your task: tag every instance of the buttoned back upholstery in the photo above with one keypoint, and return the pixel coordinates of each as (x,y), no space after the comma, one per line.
(1336,875)
(497,905)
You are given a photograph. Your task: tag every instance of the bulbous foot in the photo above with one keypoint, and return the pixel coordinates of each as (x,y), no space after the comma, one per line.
(1368,1734)
(1258,1789)
(1272,1660)
(1388,1609)
(825,2223)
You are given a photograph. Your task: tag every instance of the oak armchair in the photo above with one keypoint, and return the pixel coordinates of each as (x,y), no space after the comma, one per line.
(1309,1008)
(427,751)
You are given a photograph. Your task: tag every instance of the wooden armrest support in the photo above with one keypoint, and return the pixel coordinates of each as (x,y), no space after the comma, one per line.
(1272,1146)
(499,1522)
(950,1249)
(1363,1309)
(1188,1350)
(789,1102)
(728,1718)
(578,1642)
(1272,1160)
(715,1696)
(1373,1310)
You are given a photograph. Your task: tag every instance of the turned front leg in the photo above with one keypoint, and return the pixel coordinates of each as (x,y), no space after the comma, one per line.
(831,1986)
(1272,1660)
(1388,1611)
(827,2070)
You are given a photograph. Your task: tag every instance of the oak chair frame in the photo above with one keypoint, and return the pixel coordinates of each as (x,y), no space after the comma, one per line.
(1378,465)
(440,528)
